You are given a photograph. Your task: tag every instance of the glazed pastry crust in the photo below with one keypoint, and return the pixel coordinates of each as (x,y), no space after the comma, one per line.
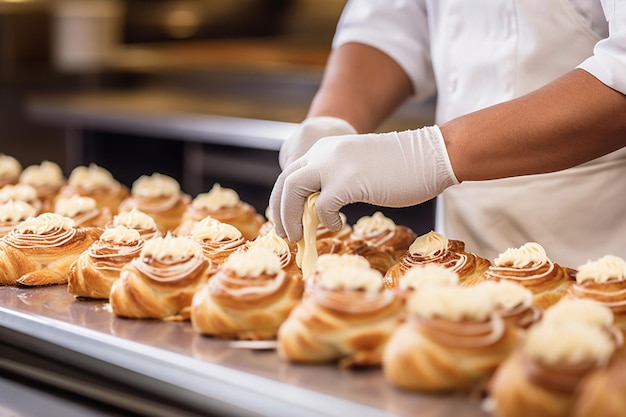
(105,198)
(317,333)
(611,294)
(218,310)
(420,357)
(43,265)
(136,295)
(166,213)
(243,216)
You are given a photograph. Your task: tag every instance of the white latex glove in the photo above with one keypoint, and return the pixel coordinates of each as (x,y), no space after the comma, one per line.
(308,132)
(397,169)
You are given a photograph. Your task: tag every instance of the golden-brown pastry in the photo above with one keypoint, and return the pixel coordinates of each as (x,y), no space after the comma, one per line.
(218,240)
(452,340)
(47,179)
(345,316)
(603,281)
(541,377)
(96,182)
(223,204)
(40,250)
(161,198)
(248,298)
(10,170)
(93,273)
(380,240)
(13,213)
(420,276)
(21,192)
(514,303)
(83,210)
(529,266)
(161,282)
(138,220)
(434,247)
(281,247)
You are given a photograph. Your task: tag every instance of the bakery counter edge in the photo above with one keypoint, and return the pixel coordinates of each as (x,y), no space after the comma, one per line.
(167,365)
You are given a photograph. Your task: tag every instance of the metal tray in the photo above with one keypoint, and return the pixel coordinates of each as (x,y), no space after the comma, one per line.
(170,367)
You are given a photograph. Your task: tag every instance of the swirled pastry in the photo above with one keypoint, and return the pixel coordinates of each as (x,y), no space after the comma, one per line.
(378,239)
(161,282)
(514,303)
(161,198)
(40,250)
(529,266)
(13,213)
(420,276)
(139,221)
(280,247)
(541,377)
(346,316)
(248,298)
(96,182)
(218,240)
(93,273)
(21,192)
(434,247)
(223,204)
(83,210)
(10,170)
(47,179)
(603,281)
(452,340)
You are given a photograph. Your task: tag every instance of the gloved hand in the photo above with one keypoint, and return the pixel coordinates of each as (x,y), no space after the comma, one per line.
(396,169)
(310,131)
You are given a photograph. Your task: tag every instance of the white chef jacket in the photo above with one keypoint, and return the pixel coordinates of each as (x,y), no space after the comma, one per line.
(477,53)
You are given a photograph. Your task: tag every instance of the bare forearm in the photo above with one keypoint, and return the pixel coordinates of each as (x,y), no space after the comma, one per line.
(570,121)
(361,85)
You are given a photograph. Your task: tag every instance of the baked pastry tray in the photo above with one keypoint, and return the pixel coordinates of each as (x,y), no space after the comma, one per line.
(167,367)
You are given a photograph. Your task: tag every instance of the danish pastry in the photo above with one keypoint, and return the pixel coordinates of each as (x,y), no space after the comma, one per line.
(248,298)
(10,170)
(161,282)
(223,204)
(40,250)
(47,179)
(529,266)
(161,198)
(93,273)
(139,221)
(218,240)
(515,303)
(21,192)
(83,210)
(13,213)
(452,340)
(436,248)
(280,247)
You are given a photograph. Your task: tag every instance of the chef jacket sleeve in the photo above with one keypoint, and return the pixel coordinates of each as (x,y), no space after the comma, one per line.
(608,62)
(399,28)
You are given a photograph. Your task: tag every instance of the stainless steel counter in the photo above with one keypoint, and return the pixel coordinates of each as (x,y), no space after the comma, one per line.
(159,366)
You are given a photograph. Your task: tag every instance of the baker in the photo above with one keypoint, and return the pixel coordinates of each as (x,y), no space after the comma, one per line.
(530,129)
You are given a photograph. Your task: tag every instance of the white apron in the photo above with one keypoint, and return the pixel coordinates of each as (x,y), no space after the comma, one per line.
(509,48)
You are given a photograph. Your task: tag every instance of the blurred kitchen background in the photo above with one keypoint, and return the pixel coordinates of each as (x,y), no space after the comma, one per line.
(202,90)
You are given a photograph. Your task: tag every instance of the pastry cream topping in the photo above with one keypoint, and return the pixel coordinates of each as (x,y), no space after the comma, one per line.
(579,310)
(306,252)
(21,192)
(9,167)
(171,249)
(120,234)
(209,229)
(253,263)
(607,268)
(46,174)
(420,276)
(375,224)
(349,277)
(92,177)
(429,244)
(155,186)
(74,205)
(13,212)
(570,342)
(271,241)
(331,260)
(451,302)
(529,254)
(45,223)
(216,198)
(507,294)
(135,219)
